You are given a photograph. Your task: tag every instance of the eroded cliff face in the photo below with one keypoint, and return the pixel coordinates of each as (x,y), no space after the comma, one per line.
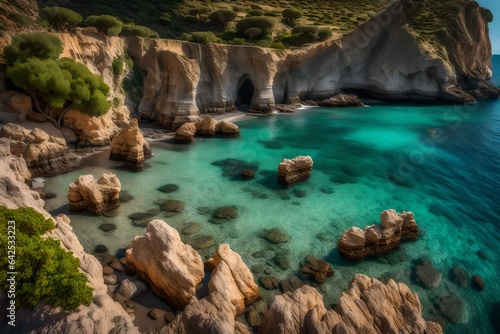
(383,58)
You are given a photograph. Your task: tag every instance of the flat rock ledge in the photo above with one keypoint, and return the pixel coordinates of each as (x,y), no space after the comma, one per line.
(95,195)
(293,171)
(368,306)
(356,244)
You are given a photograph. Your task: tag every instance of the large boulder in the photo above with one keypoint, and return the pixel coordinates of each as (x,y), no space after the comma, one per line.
(16,103)
(293,171)
(95,195)
(229,129)
(368,306)
(89,130)
(356,244)
(44,154)
(129,146)
(185,133)
(206,127)
(342,100)
(171,268)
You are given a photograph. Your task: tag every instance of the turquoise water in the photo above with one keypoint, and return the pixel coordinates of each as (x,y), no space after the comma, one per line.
(441,162)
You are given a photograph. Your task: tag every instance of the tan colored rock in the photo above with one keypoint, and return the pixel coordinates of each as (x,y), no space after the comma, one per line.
(44,154)
(206,127)
(91,131)
(293,171)
(95,195)
(185,133)
(229,129)
(342,100)
(368,306)
(16,103)
(129,146)
(171,268)
(232,286)
(374,240)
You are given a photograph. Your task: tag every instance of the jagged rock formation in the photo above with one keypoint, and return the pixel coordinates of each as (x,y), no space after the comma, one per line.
(205,127)
(293,171)
(44,154)
(342,100)
(129,146)
(90,131)
(95,195)
(368,306)
(103,315)
(171,268)
(357,244)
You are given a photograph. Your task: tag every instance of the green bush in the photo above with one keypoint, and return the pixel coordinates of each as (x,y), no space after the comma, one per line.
(255,12)
(272,14)
(252,32)
(105,24)
(229,35)
(306,30)
(264,43)
(34,44)
(277,45)
(60,18)
(203,37)
(222,17)
(199,11)
(324,34)
(137,31)
(264,23)
(20,19)
(239,41)
(117,66)
(290,15)
(45,271)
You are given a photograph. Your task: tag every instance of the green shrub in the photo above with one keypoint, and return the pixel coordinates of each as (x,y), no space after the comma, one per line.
(137,31)
(20,19)
(199,11)
(252,32)
(228,35)
(239,41)
(222,17)
(264,43)
(34,44)
(117,66)
(60,18)
(290,15)
(255,12)
(203,37)
(272,14)
(264,23)
(324,34)
(45,271)
(277,45)
(105,24)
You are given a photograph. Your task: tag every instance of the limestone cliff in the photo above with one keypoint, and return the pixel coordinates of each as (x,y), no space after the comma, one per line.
(386,58)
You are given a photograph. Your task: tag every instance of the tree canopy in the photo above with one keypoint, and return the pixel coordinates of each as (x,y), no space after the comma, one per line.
(222,16)
(34,44)
(290,15)
(264,23)
(105,24)
(138,31)
(45,270)
(60,18)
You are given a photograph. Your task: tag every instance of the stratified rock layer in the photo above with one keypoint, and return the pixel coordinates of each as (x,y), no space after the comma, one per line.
(374,240)
(129,146)
(293,171)
(171,268)
(44,154)
(95,195)
(368,306)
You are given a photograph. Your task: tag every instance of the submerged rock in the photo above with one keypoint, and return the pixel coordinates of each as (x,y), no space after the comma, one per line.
(191,228)
(96,196)
(428,274)
(275,235)
(294,171)
(101,249)
(269,282)
(477,283)
(459,276)
(247,174)
(374,240)
(106,227)
(318,269)
(172,206)
(455,309)
(168,188)
(226,212)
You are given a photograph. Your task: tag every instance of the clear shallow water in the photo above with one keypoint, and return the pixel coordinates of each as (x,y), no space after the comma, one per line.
(441,162)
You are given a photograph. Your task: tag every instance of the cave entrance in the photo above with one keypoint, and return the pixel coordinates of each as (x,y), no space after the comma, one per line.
(245,91)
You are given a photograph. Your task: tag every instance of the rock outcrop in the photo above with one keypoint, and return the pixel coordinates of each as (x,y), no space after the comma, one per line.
(44,154)
(185,133)
(342,100)
(374,240)
(90,131)
(205,127)
(95,195)
(14,106)
(103,315)
(293,171)
(368,306)
(129,146)
(171,268)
